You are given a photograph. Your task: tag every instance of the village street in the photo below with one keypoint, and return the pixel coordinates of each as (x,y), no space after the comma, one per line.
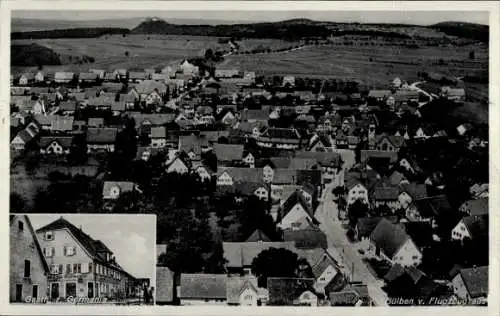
(345,251)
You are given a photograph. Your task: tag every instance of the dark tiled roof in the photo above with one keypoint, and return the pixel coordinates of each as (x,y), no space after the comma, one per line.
(67,106)
(476,281)
(255,175)
(306,238)
(420,233)
(241,254)
(65,142)
(203,286)
(476,225)
(389,237)
(366,226)
(228,152)
(87,76)
(102,135)
(386,193)
(326,159)
(391,156)
(344,298)
(258,235)
(432,206)
(477,206)
(415,190)
(282,133)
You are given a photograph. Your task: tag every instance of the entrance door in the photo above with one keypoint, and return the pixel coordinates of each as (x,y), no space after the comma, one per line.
(70,289)
(35,291)
(19,292)
(90,290)
(54,291)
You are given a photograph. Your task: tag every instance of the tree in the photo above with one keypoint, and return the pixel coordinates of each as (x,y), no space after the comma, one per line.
(356,211)
(275,262)
(17,203)
(472,55)
(126,53)
(209,54)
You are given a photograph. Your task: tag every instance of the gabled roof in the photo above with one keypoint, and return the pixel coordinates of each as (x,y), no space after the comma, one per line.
(432,206)
(420,233)
(475,281)
(242,174)
(67,105)
(237,284)
(95,121)
(60,75)
(391,156)
(158,132)
(294,199)
(148,86)
(389,237)
(102,135)
(286,133)
(258,235)
(476,225)
(95,248)
(309,238)
(35,239)
(414,190)
(395,178)
(155,119)
(88,76)
(344,298)
(325,159)
(241,254)
(203,286)
(292,163)
(477,206)
(137,75)
(397,271)
(228,152)
(396,141)
(386,193)
(64,141)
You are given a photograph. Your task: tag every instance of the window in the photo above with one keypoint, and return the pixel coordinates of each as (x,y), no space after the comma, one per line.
(68,268)
(248,297)
(75,267)
(414,257)
(27,268)
(49,235)
(34,293)
(90,267)
(20,225)
(54,269)
(69,250)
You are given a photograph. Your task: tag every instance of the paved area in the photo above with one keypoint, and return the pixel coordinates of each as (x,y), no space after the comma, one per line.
(340,247)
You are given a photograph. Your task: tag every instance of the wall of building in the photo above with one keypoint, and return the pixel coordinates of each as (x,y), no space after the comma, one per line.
(23,247)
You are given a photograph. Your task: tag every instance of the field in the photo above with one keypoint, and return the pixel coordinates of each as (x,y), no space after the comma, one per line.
(372,65)
(144,51)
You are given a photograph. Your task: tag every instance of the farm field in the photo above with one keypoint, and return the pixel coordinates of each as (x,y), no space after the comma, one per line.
(144,51)
(354,62)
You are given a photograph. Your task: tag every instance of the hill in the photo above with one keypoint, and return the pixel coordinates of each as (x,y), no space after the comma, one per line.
(467,30)
(29,25)
(32,55)
(69,33)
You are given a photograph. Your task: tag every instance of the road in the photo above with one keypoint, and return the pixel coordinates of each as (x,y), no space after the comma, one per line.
(430,96)
(341,248)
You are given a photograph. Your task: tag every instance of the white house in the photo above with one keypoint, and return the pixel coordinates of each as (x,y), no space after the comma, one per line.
(356,191)
(471,283)
(294,209)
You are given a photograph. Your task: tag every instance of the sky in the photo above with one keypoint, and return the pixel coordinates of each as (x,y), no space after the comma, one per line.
(405,17)
(131,238)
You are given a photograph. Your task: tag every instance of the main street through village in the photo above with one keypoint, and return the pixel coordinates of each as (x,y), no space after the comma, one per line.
(345,251)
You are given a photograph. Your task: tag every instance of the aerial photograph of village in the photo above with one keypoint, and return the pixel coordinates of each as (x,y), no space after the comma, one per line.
(322,158)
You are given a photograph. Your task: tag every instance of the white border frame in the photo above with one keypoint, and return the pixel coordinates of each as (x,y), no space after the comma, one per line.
(491,6)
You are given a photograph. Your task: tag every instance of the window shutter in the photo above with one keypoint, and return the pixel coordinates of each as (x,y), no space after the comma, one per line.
(85,268)
(74,250)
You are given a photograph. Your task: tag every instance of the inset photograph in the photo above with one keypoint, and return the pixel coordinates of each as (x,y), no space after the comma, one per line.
(82,259)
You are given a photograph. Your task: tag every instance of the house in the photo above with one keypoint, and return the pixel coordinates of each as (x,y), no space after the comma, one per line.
(390,241)
(58,145)
(410,165)
(411,192)
(88,77)
(386,142)
(247,188)
(158,137)
(137,76)
(188,68)
(165,288)
(26,78)
(144,122)
(81,266)
(345,298)
(428,208)
(178,165)
(95,122)
(19,142)
(356,190)
(67,108)
(472,227)
(101,139)
(228,154)
(249,159)
(471,283)
(202,289)
(244,291)
(239,255)
(477,207)
(28,267)
(229,176)
(39,77)
(306,238)
(292,291)
(120,74)
(282,138)
(150,91)
(331,164)
(379,95)
(321,142)
(113,189)
(293,209)
(454,94)
(478,191)
(288,81)
(385,157)
(63,77)
(100,72)
(396,178)
(386,196)
(226,73)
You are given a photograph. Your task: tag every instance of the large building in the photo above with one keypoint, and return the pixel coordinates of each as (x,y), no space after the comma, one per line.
(28,267)
(81,266)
